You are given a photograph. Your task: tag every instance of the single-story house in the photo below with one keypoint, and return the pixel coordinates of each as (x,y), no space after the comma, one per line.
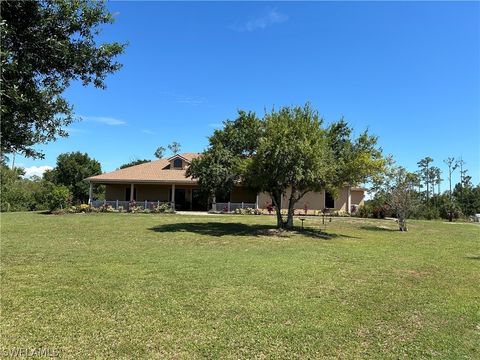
(165,180)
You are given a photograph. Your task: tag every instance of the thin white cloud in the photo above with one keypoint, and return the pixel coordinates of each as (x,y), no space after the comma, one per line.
(104,120)
(148,132)
(36,170)
(259,23)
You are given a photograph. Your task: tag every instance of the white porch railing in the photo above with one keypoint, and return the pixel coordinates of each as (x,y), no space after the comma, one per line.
(125,205)
(231,206)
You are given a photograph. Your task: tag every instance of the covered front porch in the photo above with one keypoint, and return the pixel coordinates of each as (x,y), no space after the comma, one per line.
(182,197)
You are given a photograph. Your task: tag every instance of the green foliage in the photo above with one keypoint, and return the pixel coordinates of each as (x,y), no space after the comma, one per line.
(396,189)
(217,170)
(58,197)
(174,147)
(71,170)
(45,45)
(159,152)
(19,194)
(134,162)
(285,149)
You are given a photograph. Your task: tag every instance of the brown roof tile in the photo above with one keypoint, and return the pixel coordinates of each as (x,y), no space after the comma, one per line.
(152,171)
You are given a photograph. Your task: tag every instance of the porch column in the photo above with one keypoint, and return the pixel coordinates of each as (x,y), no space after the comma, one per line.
(90,191)
(132,187)
(173,196)
(349,201)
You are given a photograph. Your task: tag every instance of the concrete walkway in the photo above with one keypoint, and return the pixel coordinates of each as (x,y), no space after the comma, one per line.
(195,213)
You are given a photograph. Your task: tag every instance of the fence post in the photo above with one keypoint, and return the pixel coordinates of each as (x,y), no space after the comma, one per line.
(146,205)
(242,204)
(229,206)
(116,205)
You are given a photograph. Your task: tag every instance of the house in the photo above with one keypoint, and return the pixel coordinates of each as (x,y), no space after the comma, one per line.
(165,180)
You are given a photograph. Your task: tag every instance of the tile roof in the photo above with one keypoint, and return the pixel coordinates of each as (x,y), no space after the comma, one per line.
(151,172)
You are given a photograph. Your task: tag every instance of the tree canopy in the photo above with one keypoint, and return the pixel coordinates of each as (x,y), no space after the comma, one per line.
(44,46)
(287,149)
(71,170)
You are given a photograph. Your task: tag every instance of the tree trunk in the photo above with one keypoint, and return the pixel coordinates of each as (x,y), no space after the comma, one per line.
(289,223)
(277,204)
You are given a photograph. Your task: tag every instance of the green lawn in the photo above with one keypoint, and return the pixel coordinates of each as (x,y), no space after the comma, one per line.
(171,286)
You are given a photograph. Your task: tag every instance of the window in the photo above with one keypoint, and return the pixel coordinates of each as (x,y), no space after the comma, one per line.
(177,163)
(329,200)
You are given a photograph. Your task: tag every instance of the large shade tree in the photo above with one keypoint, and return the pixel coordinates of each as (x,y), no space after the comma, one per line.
(45,45)
(288,149)
(71,170)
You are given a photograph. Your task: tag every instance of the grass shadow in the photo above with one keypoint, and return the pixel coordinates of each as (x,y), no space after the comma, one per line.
(240,229)
(318,233)
(473,257)
(376,228)
(213,228)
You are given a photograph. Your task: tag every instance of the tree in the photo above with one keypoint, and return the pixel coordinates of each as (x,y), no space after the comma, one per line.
(159,152)
(133,163)
(45,45)
(174,147)
(397,188)
(435,178)
(71,170)
(58,197)
(452,166)
(287,149)
(224,162)
(425,173)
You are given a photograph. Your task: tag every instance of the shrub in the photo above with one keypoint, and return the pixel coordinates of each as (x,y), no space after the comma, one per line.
(162,208)
(248,211)
(58,197)
(364,211)
(107,208)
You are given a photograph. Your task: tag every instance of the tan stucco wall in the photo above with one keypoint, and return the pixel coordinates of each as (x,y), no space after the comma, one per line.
(358,197)
(314,200)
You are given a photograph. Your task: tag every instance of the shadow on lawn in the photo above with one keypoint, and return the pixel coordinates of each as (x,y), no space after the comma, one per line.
(213,228)
(239,229)
(376,228)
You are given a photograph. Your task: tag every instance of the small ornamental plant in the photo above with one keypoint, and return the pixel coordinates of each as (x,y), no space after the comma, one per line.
(269,208)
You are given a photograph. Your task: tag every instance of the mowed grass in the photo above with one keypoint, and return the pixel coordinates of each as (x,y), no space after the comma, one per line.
(171,286)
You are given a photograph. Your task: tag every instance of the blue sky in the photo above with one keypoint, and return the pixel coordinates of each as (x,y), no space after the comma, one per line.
(408,71)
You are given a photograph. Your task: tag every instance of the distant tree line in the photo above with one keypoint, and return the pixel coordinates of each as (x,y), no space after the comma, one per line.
(58,188)
(422,188)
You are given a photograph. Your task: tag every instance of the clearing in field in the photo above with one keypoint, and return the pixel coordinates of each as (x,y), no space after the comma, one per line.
(179,286)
